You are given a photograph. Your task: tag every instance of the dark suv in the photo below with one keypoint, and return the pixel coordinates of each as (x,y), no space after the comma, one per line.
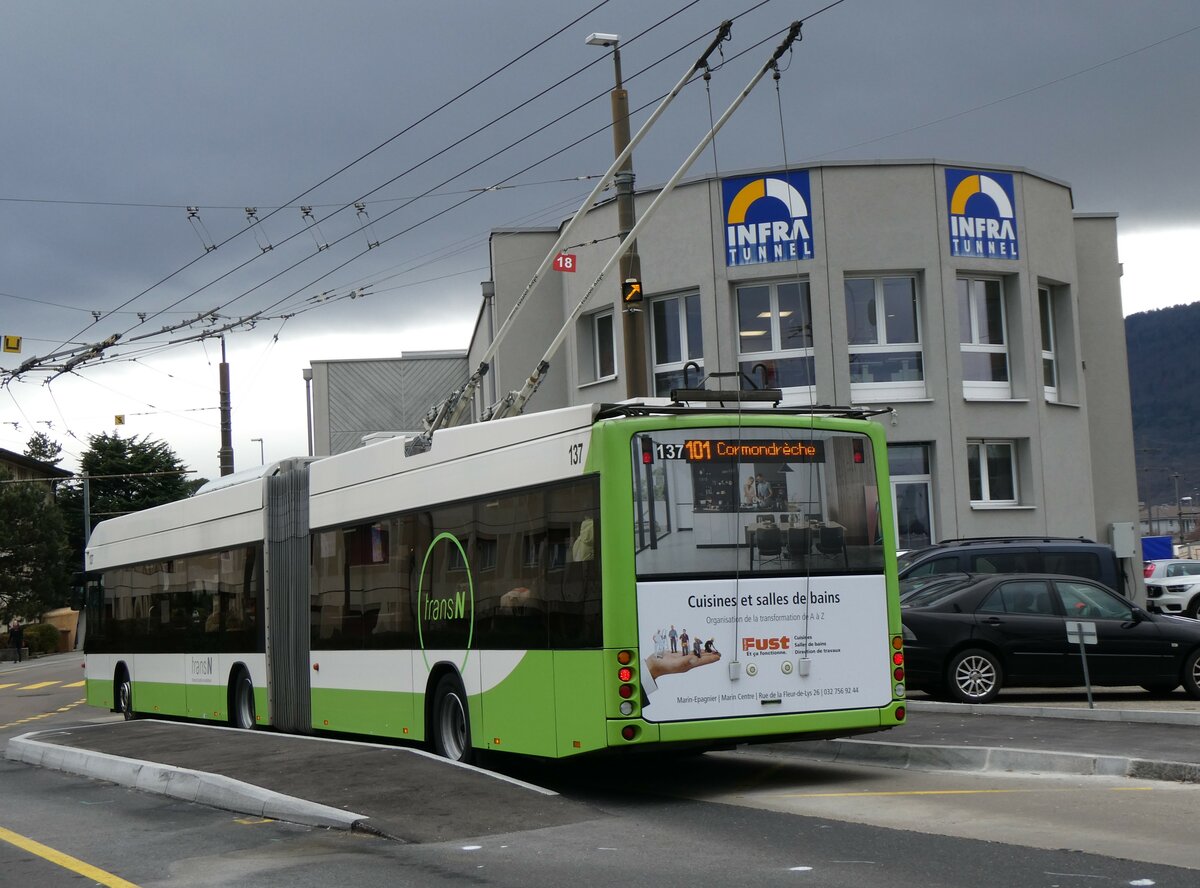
(1069,556)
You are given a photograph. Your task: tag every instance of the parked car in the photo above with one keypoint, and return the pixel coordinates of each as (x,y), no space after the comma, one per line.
(970,636)
(1070,556)
(1173,586)
(1172,567)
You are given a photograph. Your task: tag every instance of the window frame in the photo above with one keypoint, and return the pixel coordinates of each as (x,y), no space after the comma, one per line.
(886,389)
(983,462)
(598,374)
(797,394)
(1049,351)
(666,369)
(985,389)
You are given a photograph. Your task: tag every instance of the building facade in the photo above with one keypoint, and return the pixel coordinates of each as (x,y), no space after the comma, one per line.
(355,399)
(973,301)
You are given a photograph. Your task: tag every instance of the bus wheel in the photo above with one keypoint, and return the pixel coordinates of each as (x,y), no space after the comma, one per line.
(451,727)
(241,692)
(124,696)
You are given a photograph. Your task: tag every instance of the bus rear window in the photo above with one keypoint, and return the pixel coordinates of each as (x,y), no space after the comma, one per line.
(755,501)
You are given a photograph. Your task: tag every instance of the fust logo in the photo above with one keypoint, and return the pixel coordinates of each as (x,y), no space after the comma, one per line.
(983,223)
(767,218)
(777,645)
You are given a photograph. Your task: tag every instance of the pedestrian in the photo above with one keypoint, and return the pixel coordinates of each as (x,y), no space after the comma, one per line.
(15,637)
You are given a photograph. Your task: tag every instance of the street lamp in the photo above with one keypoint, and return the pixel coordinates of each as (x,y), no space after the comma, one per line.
(633,323)
(262,461)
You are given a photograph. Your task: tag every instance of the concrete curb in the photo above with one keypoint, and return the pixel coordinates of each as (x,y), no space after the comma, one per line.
(1137,716)
(214,790)
(988,759)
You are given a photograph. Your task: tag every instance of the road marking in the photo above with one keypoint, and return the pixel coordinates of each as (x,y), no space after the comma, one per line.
(252,821)
(66,861)
(40,684)
(41,715)
(936,792)
(11,684)
(76,684)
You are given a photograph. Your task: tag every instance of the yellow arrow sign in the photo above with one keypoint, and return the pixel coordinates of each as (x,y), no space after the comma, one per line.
(632,291)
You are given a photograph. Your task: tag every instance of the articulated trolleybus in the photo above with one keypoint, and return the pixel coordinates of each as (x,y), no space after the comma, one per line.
(555,584)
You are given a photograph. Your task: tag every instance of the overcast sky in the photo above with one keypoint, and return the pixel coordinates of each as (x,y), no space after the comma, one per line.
(117,117)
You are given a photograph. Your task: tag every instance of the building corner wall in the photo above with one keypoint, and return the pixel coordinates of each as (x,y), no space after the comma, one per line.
(1106,372)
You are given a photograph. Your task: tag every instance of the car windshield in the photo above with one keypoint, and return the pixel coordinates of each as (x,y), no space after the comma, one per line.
(929,590)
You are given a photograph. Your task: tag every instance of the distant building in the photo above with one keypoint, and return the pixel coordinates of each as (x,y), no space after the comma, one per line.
(24,468)
(973,300)
(354,399)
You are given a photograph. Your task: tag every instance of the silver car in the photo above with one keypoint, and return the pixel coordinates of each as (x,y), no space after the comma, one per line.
(1173,587)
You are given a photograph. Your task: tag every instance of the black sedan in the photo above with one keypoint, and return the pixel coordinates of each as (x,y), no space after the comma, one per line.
(967,636)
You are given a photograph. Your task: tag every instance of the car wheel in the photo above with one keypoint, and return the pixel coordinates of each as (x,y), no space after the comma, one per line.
(1191,674)
(1193,608)
(451,727)
(974,676)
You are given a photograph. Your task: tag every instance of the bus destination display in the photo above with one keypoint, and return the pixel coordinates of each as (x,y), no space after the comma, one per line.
(708,450)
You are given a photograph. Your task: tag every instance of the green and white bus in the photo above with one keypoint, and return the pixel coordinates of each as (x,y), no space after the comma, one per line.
(568,582)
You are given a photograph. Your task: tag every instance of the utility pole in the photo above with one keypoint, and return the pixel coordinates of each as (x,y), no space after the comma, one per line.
(226,453)
(633,319)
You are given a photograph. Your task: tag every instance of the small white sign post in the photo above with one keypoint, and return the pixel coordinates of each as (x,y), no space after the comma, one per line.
(1083,632)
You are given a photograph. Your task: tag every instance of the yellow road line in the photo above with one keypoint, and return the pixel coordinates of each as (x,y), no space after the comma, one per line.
(935,792)
(40,684)
(66,861)
(76,684)
(11,684)
(41,715)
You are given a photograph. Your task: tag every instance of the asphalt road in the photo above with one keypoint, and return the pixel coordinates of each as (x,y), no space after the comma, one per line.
(766,816)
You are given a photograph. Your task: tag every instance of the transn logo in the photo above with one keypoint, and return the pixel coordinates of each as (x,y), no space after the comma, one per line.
(765,644)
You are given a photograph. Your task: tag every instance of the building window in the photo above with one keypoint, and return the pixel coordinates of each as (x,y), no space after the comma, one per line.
(1049,363)
(992,472)
(984,341)
(912,494)
(604,355)
(677,340)
(883,330)
(775,335)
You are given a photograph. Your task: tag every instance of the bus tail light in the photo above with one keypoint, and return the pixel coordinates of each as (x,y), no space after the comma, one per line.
(899,713)
(629,732)
(625,675)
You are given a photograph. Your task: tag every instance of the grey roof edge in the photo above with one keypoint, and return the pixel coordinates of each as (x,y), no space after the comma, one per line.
(446,354)
(820,164)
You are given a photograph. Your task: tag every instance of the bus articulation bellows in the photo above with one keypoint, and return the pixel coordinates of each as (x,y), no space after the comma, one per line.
(601,577)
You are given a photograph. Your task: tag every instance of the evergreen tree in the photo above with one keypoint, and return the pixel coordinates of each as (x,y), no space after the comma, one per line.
(124,475)
(33,546)
(41,447)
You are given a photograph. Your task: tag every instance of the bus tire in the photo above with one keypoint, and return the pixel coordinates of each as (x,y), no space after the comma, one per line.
(450,729)
(123,695)
(241,701)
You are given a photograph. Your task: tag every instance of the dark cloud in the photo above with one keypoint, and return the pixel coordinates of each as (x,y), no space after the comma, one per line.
(229,105)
